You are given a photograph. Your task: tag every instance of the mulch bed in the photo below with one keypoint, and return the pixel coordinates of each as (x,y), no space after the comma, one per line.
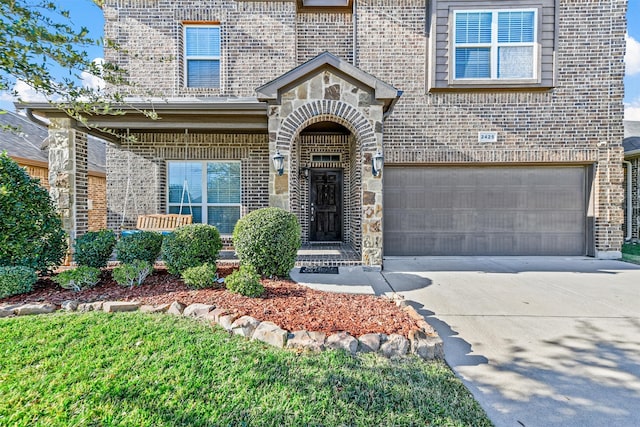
(285,303)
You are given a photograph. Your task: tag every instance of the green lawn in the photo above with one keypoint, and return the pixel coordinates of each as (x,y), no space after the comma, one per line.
(98,369)
(631,253)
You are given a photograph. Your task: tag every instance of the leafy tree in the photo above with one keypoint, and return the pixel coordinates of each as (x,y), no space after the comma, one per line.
(31,232)
(38,37)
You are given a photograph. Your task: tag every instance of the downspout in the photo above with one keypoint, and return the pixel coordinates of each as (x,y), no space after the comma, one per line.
(355,33)
(629,199)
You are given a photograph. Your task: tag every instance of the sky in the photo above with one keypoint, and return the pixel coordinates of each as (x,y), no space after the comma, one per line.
(86,13)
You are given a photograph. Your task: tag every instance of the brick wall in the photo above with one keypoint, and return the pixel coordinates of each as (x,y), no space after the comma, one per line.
(137,172)
(97,193)
(578,121)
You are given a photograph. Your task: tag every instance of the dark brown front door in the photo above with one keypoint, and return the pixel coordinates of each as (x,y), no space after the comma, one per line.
(326,205)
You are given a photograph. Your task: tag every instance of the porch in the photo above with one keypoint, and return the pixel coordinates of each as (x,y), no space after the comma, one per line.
(309,255)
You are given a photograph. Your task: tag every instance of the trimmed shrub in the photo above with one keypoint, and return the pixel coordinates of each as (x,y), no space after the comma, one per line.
(93,249)
(191,246)
(79,278)
(31,233)
(200,277)
(16,280)
(269,240)
(245,281)
(144,246)
(133,273)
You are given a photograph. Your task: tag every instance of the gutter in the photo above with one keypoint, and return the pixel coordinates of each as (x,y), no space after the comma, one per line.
(36,120)
(629,200)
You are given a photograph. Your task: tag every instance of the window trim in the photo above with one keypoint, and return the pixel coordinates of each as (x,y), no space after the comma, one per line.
(203,183)
(494,45)
(186,58)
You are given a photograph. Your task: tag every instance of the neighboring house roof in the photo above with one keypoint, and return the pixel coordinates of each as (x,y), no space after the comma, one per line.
(25,139)
(631,128)
(631,146)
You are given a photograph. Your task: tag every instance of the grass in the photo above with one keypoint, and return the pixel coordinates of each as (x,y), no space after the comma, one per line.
(134,369)
(631,253)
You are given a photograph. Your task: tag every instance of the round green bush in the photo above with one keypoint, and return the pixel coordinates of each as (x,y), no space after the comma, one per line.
(93,249)
(191,246)
(144,246)
(16,280)
(245,281)
(200,277)
(269,240)
(31,233)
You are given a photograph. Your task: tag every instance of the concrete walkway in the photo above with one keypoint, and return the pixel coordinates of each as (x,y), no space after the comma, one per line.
(539,341)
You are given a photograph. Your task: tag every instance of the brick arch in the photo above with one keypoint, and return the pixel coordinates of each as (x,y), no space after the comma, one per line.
(326,111)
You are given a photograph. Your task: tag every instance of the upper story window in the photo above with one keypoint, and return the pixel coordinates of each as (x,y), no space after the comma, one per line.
(202,56)
(325,5)
(495,45)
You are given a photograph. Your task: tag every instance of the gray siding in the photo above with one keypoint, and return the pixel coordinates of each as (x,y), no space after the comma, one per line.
(440,37)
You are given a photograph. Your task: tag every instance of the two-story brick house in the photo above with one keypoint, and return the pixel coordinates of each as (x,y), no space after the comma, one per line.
(497,125)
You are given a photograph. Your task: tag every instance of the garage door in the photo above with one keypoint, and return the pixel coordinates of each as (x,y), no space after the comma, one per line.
(484,210)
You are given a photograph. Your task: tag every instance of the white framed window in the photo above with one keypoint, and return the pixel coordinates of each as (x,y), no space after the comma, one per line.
(202,56)
(210,191)
(495,45)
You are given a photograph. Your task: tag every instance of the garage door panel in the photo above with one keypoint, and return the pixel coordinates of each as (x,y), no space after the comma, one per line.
(490,211)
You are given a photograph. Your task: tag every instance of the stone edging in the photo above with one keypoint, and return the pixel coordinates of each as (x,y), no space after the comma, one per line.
(423,342)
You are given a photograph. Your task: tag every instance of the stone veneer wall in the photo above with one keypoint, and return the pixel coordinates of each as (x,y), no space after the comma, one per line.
(578,121)
(327,96)
(144,162)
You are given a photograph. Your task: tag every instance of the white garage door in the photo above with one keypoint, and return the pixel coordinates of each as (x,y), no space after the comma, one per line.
(484,211)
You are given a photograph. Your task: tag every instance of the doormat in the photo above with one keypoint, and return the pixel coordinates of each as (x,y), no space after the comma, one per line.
(319,269)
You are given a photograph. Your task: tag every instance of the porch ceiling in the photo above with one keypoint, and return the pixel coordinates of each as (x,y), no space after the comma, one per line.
(221,115)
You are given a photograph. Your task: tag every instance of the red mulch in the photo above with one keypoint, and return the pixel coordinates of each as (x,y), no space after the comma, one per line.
(285,303)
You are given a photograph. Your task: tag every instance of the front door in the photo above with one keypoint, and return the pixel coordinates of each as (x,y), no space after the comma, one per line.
(326,205)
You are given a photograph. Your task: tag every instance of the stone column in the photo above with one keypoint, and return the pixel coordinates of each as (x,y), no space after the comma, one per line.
(278,184)
(68,176)
(372,236)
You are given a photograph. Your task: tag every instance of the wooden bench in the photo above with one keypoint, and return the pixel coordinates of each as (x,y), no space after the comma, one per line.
(162,222)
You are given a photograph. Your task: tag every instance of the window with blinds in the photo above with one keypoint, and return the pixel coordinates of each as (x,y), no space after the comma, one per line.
(495,45)
(202,56)
(210,191)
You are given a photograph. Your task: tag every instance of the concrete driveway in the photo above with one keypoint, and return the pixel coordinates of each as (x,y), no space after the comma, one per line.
(539,341)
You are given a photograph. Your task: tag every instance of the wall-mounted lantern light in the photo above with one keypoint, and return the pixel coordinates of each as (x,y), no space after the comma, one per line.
(376,163)
(278,162)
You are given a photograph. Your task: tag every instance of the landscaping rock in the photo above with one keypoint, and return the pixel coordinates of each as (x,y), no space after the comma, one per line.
(198,310)
(425,346)
(427,328)
(119,306)
(342,340)
(271,334)
(395,346)
(162,308)
(176,308)
(96,306)
(70,305)
(214,315)
(245,326)
(305,340)
(227,320)
(27,309)
(7,310)
(369,343)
